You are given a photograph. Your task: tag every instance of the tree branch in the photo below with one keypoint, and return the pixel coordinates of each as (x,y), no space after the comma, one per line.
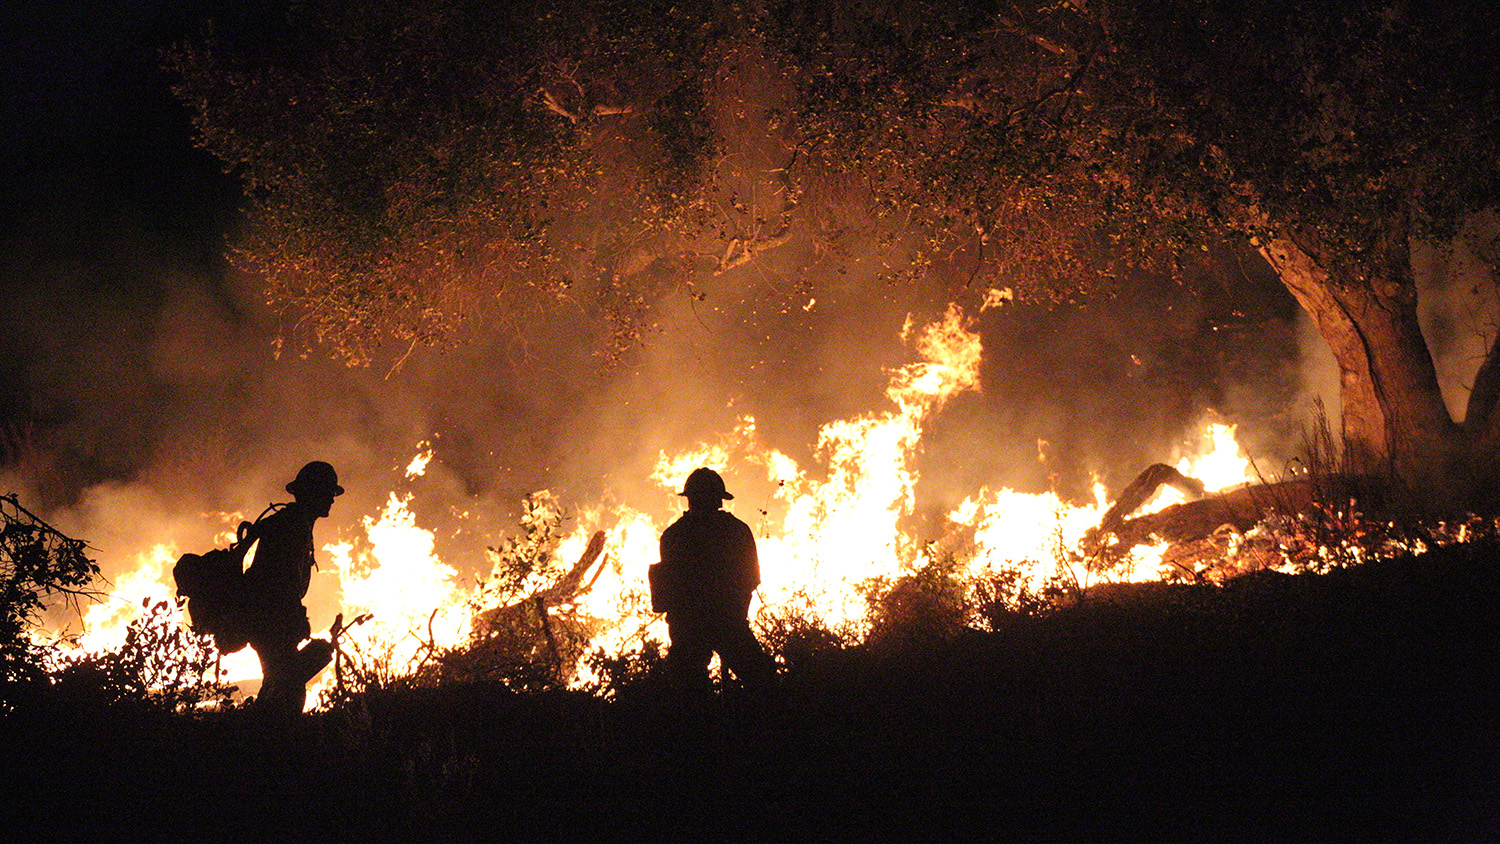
(744,251)
(552,105)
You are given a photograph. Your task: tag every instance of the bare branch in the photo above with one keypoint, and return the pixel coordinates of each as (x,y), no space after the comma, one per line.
(743,252)
(556,107)
(1038,39)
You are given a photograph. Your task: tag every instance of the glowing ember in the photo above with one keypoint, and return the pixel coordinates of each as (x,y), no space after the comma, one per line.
(996,297)
(418,465)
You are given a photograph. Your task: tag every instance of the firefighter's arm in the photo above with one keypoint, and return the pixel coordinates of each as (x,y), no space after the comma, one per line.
(749,559)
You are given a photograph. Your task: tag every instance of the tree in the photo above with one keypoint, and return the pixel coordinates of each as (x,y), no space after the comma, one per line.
(403,158)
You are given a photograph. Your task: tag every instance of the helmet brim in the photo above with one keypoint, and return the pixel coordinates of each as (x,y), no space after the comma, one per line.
(298,489)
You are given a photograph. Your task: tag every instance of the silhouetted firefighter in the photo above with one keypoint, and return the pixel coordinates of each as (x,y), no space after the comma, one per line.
(275,584)
(708,572)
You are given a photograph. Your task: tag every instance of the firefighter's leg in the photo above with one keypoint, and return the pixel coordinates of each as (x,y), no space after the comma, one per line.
(689,654)
(744,657)
(280,691)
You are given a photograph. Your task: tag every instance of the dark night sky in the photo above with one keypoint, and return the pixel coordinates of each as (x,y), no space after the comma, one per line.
(138,369)
(104,201)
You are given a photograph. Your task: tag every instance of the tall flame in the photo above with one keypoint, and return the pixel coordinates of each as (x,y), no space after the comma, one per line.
(396,576)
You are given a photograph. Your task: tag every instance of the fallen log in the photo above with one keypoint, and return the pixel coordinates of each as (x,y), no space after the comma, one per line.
(1141,489)
(1241,508)
(568,587)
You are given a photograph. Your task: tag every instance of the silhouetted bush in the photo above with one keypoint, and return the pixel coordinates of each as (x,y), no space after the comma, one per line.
(796,638)
(919,610)
(37,562)
(162,663)
(1353,705)
(1004,598)
(614,675)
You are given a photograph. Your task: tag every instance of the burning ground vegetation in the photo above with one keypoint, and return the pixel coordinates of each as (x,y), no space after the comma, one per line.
(565,604)
(1213,655)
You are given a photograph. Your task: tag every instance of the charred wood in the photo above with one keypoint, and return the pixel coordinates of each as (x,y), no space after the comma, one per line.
(1140,490)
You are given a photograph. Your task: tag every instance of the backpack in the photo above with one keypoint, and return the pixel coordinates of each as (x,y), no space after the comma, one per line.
(667,586)
(212,585)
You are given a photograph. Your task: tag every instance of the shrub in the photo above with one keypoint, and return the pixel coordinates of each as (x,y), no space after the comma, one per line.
(923,608)
(162,663)
(795,637)
(617,674)
(37,562)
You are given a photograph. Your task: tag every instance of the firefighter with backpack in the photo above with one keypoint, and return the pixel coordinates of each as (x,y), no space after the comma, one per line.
(276,623)
(262,606)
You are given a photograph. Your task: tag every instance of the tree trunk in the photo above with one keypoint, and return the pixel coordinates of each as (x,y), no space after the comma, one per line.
(1394,418)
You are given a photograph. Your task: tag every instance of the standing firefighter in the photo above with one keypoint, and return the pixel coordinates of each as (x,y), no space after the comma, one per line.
(275,585)
(707,574)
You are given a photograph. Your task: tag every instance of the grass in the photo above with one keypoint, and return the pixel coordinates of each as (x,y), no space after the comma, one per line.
(1359,705)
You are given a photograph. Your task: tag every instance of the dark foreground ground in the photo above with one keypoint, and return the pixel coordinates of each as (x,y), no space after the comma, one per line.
(1358,706)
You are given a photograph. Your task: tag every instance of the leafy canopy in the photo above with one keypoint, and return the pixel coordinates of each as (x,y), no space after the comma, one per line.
(409,162)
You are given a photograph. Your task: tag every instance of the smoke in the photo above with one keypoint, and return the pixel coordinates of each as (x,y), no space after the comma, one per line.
(145,403)
(1459,308)
(169,417)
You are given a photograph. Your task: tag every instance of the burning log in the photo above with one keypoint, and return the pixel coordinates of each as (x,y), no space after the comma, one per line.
(1243,507)
(568,587)
(571,584)
(1239,509)
(1141,489)
(1202,532)
(1138,492)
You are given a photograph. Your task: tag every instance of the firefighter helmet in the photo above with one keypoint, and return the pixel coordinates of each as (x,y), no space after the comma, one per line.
(314,478)
(705,483)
